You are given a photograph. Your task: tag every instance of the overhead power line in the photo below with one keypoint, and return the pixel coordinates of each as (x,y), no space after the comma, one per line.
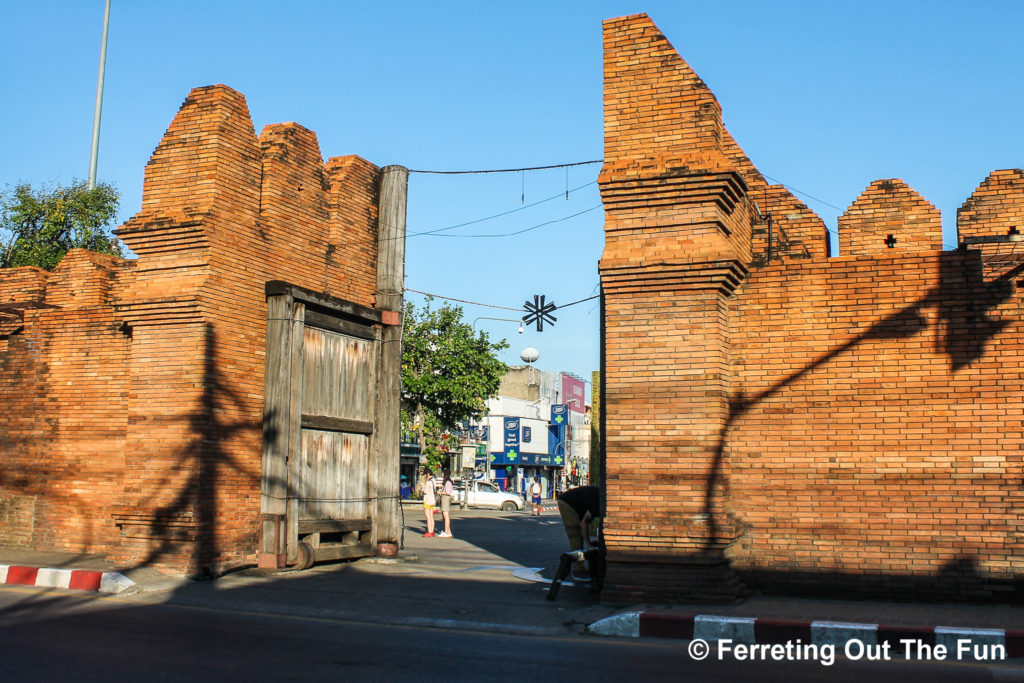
(589,298)
(463,301)
(511,170)
(520,232)
(503,213)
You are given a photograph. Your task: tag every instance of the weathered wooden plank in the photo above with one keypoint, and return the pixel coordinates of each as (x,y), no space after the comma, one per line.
(274,475)
(390,289)
(335,324)
(327,526)
(308,296)
(337,424)
(339,375)
(331,551)
(333,469)
(294,401)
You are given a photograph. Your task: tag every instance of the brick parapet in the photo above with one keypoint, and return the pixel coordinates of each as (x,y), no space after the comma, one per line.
(22,285)
(889,215)
(991,220)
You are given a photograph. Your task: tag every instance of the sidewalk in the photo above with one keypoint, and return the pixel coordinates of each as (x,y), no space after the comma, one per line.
(455,583)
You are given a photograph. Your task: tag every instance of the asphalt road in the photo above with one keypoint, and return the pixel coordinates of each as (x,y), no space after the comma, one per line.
(370,621)
(71,638)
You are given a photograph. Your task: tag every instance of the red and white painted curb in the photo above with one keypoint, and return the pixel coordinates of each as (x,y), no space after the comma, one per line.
(72,579)
(751,630)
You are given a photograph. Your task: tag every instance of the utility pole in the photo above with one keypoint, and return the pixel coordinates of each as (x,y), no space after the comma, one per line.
(94,158)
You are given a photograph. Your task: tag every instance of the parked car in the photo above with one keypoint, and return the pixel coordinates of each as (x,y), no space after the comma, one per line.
(484,494)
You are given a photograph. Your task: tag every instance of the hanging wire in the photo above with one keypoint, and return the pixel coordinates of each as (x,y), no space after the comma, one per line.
(532,227)
(790,187)
(503,213)
(462,301)
(511,170)
(589,298)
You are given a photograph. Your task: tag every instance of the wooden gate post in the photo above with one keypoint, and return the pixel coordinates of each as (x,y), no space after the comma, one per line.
(394,184)
(284,319)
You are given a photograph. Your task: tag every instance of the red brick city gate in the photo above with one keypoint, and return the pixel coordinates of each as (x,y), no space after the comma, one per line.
(134,389)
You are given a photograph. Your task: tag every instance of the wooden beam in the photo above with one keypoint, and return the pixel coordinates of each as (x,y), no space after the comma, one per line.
(325,301)
(274,474)
(337,424)
(328,526)
(383,478)
(297,315)
(342,552)
(335,324)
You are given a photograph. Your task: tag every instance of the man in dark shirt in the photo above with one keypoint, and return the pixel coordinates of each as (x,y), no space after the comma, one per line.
(578,508)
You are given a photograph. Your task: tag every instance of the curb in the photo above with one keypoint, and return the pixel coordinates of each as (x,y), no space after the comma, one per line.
(752,630)
(71,579)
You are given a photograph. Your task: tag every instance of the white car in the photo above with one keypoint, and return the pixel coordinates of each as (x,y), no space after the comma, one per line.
(484,494)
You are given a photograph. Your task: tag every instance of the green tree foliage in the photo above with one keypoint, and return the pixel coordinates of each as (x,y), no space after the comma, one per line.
(448,373)
(37,227)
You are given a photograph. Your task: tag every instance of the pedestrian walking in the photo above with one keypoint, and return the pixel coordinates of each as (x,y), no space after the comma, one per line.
(535,491)
(447,492)
(429,500)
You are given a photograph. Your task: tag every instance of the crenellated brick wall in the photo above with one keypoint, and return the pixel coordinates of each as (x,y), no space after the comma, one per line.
(133,389)
(779,418)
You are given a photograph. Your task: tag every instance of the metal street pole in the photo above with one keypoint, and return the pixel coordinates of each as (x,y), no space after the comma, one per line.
(94,158)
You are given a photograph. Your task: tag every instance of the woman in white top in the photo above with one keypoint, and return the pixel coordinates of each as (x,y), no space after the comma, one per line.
(429,500)
(447,491)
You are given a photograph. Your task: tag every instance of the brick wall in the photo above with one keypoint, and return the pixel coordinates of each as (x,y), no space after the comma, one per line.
(778,418)
(136,387)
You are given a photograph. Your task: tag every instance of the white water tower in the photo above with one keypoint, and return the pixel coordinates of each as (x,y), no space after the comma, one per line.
(530,356)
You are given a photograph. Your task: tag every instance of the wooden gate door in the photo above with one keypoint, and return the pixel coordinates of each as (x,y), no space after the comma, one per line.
(319,424)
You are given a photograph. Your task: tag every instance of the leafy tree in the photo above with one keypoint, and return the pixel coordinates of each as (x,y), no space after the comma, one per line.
(37,227)
(448,373)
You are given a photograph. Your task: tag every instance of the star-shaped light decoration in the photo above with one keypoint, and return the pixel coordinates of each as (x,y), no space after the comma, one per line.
(539,312)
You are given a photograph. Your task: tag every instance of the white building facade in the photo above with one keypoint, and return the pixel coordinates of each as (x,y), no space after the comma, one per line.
(537,427)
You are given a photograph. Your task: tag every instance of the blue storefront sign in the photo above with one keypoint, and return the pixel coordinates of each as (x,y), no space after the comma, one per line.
(511,441)
(529,458)
(527,433)
(511,432)
(479,432)
(559,413)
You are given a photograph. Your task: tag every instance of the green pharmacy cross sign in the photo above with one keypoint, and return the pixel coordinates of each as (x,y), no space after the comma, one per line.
(539,312)
(511,454)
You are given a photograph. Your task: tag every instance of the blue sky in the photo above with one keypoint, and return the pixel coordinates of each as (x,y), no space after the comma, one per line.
(823,96)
